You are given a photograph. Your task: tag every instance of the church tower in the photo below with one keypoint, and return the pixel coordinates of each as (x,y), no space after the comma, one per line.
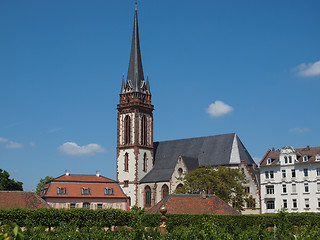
(135,124)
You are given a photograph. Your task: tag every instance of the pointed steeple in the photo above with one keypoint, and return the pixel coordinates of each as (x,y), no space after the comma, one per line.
(123,88)
(148,85)
(135,78)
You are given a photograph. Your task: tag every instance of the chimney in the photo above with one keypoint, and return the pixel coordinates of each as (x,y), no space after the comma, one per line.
(98,173)
(67,173)
(273,149)
(203,194)
(308,147)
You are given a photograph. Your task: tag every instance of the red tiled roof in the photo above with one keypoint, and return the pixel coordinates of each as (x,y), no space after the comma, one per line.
(193,204)
(74,190)
(83,178)
(311,152)
(21,200)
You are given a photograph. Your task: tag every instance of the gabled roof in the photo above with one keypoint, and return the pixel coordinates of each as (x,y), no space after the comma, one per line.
(193,204)
(226,150)
(82,178)
(19,199)
(311,152)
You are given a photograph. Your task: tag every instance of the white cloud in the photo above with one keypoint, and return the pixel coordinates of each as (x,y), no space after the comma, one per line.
(3,140)
(218,109)
(309,69)
(71,148)
(299,130)
(13,145)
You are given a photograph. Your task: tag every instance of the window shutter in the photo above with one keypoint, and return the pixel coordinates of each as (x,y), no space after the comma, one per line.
(58,191)
(89,191)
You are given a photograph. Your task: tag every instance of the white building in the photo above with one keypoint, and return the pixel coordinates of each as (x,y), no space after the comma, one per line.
(290,179)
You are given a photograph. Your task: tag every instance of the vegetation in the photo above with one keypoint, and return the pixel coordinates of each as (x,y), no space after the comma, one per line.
(41,184)
(138,225)
(224,182)
(7,184)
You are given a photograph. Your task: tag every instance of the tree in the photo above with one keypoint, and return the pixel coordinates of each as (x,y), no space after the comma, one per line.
(7,184)
(43,182)
(224,182)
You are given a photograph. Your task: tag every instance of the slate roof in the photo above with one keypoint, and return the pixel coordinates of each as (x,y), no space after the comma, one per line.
(193,204)
(19,199)
(74,182)
(214,150)
(311,152)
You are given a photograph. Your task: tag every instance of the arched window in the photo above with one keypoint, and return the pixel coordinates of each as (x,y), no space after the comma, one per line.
(180,171)
(127,128)
(179,186)
(143,132)
(145,162)
(147,196)
(165,191)
(126,162)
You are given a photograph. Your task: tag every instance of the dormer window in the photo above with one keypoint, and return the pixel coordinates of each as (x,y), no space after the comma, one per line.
(269,161)
(290,159)
(285,160)
(61,190)
(318,157)
(305,158)
(108,191)
(85,191)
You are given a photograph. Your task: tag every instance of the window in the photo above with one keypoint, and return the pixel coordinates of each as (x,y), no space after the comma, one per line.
(147,196)
(180,171)
(305,158)
(293,173)
(145,162)
(318,186)
(143,130)
(246,189)
(318,172)
(285,160)
(294,188)
(235,204)
(318,202)
(271,174)
(284,188)
(126,183)
(267,174)
(85,191)
(127,128)
(306,202)
(86,205)
(72,205)
(270,204)
(251,202)
(284,174)
(165,191)
(294,203)
(126,162)
(305,172)
(62,190)
(269,161)
(108,191)
(318,157)
(99,206)
(179,186)
(306,187)
(285,203)
(290,159)
(270,189)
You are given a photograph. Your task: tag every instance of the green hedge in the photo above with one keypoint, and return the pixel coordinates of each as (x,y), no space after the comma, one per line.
(115,217)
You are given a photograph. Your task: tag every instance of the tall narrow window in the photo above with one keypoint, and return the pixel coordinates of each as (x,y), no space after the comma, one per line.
(126,162)
(127,127)
(147,196)
(165,191)
(145,162)
(144,131)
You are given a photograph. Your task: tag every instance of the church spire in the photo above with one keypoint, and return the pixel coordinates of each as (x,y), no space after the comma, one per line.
(135,78)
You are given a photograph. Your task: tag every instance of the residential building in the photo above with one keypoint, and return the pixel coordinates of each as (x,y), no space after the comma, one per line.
(19,199)
(290,179)
(84,191)
(148,171)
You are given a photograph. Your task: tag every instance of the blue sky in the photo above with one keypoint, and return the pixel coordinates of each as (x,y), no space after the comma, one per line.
(249,67)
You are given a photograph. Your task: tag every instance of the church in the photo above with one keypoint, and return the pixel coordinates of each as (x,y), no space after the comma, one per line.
(147,171)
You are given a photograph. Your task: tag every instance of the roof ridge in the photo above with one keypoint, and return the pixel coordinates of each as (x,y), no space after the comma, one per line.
(197,137)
